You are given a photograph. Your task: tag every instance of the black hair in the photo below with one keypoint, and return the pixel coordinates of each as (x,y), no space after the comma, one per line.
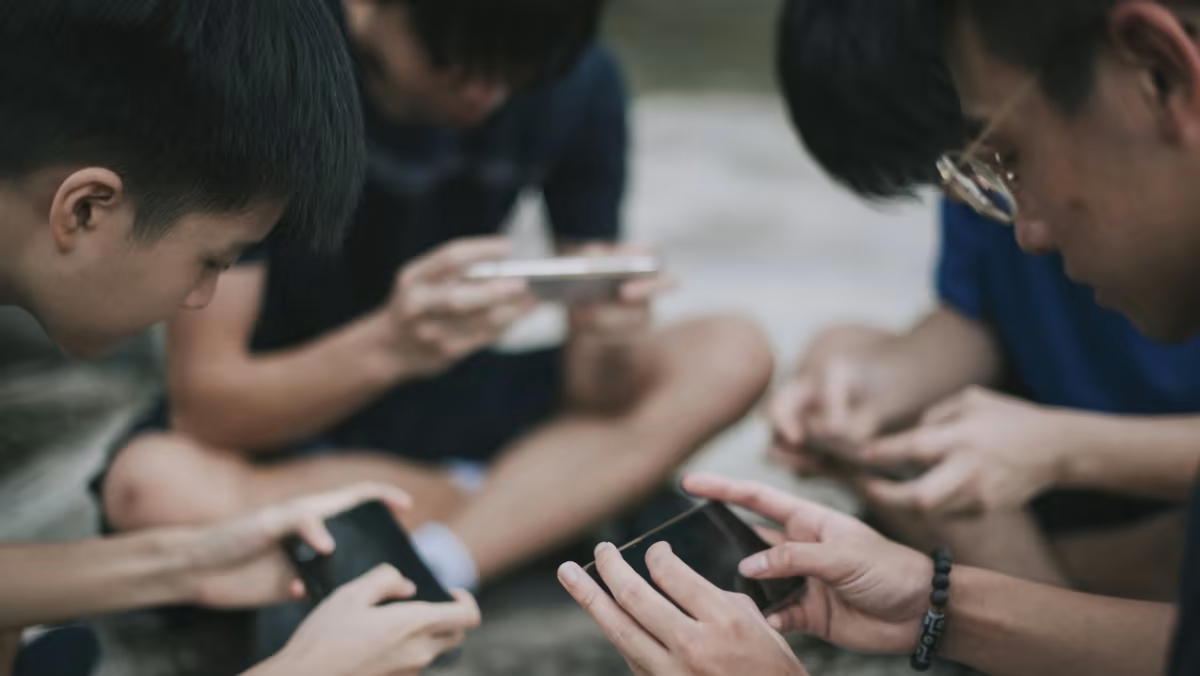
(868,90)
(199,105)
(517,41)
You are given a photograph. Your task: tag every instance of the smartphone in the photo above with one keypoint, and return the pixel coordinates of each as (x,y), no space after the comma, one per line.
(366,537)
(712,540)
(570,279)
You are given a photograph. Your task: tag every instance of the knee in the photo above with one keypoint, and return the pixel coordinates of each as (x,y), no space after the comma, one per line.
(732,354)
(839,338)
(165,479)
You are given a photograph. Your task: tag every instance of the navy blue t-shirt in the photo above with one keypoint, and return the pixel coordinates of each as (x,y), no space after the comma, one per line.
(1061,348)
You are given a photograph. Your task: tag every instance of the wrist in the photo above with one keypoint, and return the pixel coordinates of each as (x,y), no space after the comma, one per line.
(170,575)
(1070,441)
(382,355)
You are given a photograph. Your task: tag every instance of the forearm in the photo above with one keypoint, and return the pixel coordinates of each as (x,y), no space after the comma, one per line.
(42,583)
(943,354)
(272,399)
(1002,625)
(1154,457)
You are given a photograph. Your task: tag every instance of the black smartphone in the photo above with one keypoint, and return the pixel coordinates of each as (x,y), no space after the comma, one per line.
(366,537)
(712,540)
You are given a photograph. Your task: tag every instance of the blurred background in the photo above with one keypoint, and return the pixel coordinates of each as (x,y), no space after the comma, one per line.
(720,186)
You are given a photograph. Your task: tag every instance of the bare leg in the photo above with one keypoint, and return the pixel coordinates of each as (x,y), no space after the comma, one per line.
(1007,542)
(165,479)
(577,469)
(568,474)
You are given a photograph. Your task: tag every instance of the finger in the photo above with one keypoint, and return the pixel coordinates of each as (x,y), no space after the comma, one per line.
(464,299)
(794,559)
(299,515)
(787,409)
(630,638)
(696,595)
(835,397)
(792,619)
(803,515)
(925,445)
(644,289)
(452,259)
(635,595)
(449,617)
(314,532)
(382,583)
(938,491)
(944,411)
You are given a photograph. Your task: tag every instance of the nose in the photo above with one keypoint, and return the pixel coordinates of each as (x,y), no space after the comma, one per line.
(1033,235)
(203,294)
(485,96)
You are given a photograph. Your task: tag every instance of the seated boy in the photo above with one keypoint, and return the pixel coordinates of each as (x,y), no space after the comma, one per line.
(306,374)
(1074,483)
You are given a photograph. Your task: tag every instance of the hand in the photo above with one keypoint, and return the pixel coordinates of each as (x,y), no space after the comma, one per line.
(437,317)
(622,319)
(720,632)
(863,593)
(240,564)
(351,634)
(828,410)
(982,451)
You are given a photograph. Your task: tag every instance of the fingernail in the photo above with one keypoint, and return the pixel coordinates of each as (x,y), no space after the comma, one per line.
(570,573)
(753,566)
(659,549)
(776,622)
(603,547)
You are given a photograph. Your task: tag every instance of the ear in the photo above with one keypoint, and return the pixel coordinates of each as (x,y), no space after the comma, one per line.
(1163,44)
(87,200)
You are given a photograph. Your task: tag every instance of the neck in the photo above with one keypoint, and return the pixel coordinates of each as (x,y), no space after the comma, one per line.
(14,231)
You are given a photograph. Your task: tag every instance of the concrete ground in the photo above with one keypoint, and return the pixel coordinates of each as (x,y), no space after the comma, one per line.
(746,222)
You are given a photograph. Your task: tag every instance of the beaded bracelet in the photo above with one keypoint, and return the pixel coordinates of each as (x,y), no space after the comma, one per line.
(934,624)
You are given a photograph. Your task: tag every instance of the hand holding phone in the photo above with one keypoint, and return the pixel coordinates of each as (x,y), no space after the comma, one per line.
(437,315)
(712,541)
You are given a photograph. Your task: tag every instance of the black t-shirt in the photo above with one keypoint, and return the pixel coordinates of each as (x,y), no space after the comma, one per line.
(1185,659)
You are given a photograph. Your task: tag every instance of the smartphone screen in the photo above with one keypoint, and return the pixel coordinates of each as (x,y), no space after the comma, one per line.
(712,540)
(366,537)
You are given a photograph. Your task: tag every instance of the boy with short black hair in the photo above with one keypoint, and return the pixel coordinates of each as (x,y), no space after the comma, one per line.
(144,144)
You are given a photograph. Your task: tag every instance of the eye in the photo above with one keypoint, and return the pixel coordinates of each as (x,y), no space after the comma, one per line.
(217,265)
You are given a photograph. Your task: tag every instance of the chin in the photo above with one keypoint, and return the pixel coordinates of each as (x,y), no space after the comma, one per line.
(86,347)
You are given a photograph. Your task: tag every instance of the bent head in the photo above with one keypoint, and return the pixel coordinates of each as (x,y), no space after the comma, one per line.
(157,140)
(455,62)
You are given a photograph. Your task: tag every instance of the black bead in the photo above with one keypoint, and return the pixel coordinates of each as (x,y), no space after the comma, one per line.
(941,566)
(939,597)
(942,554)
(919,664)
(941,581)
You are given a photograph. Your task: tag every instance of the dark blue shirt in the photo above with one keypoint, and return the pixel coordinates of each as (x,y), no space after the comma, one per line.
(1061,348)
(429,185)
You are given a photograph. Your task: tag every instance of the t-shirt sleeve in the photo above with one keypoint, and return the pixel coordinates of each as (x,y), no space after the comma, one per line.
(962,262)
(584,190)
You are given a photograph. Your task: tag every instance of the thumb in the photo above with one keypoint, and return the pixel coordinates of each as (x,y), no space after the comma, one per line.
(793,559)
(382,583)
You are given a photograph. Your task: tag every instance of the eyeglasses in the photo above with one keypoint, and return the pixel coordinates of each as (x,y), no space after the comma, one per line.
(979,177)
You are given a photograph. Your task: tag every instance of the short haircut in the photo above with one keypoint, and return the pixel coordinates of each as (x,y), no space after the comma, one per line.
(199,105)
(520,41)
(868,90)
